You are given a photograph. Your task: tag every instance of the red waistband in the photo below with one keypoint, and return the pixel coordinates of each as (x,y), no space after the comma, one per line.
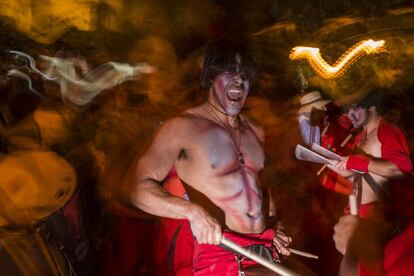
(213,260)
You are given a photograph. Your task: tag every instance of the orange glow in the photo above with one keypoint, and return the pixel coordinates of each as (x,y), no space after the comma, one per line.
(46,23)
(34,184)
(326,71)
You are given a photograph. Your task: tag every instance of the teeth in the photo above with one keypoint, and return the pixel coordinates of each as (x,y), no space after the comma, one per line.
(234,94)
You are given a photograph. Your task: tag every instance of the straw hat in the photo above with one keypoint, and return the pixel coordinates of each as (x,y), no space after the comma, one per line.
(311,100)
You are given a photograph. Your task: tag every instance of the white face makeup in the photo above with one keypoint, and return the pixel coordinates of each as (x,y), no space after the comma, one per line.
(231,90)
(358,116)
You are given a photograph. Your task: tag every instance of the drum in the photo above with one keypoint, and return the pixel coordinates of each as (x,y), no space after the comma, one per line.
(43,226)
(33,185)
(24,251)
(68,229)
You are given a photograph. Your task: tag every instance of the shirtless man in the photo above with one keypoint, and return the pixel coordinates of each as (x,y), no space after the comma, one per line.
(383,155)
(218,155)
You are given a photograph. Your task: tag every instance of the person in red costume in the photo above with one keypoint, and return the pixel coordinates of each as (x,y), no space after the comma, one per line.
(338,136)
(322,122)
(218,156)
(380,155)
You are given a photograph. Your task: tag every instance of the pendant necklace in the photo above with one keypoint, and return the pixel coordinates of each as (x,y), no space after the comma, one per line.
(232,127)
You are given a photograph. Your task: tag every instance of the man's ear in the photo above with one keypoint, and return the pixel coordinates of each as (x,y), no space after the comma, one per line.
(372,109)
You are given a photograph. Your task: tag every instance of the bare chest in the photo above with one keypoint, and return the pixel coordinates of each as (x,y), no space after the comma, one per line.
(371,145)
(224,151)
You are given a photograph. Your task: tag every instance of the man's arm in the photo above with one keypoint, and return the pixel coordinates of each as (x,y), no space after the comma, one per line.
(364,164)
(148,194)
(394,162)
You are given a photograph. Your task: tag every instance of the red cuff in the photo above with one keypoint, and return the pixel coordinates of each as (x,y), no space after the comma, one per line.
(358,163)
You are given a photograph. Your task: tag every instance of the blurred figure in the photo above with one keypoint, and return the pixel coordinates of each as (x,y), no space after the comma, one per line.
(311,117)
(359,238)
(127,123)
(380,155)
(322,122)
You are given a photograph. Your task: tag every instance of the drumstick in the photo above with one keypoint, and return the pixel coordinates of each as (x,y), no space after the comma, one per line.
(353,207)
(272,266)
(321,170)
(302,253)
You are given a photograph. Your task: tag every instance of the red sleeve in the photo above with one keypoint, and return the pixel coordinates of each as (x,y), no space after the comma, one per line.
(394,146)
(345,122)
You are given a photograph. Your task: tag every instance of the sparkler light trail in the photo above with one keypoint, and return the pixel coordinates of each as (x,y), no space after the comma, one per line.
(326,71)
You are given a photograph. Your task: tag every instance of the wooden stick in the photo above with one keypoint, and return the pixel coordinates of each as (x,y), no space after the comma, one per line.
(321,170)
(353,207)
(272,266)
(303,254)
(346,140)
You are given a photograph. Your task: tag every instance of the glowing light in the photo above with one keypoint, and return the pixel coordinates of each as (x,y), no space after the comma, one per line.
(326,71)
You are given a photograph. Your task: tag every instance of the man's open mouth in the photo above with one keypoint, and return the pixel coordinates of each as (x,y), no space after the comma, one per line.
(235,94)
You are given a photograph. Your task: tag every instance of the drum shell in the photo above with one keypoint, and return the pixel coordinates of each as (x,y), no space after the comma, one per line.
(68,229)
(24,251)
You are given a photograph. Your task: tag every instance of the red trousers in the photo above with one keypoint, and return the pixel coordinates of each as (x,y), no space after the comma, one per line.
(211,260)
(174,248)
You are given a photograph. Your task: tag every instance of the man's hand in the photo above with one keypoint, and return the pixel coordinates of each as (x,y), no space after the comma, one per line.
(205,228)
(344,230)
(282,241)
(340,168)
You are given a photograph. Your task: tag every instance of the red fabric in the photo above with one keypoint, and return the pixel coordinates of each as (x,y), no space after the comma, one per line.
(329,180)
(394,146)
(338,129)
(399,253)
(128,251)
(174,248)
(213,260)
(333,181)
(402,196)
(358,163)
(373,211)
(174,186)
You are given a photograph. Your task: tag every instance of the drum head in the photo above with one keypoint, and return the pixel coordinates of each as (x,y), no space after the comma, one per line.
(34,184)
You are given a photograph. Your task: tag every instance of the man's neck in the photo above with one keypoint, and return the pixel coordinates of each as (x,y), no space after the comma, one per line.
(373,122)
(219,113)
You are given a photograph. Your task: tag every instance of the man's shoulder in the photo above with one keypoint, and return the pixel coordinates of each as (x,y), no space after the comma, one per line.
(185,118)
(387,129)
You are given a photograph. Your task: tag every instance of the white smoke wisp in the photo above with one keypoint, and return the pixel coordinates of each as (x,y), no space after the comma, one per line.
(76,88)
(81,90)
(21,75)
(31,65)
